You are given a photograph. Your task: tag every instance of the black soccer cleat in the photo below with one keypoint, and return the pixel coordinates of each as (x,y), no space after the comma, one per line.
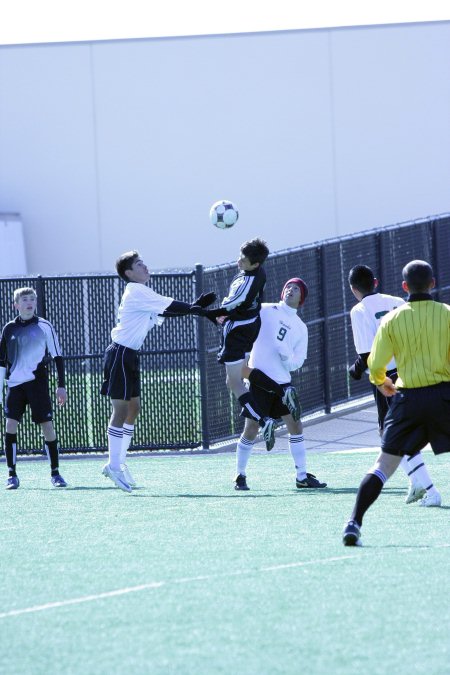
(241,483)
(292,402)
(352,534)
(309,482)
(12,483)
(268,432)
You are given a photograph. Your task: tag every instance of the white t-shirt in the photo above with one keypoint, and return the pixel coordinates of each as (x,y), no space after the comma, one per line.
(366,317)
(282,342)
(138,313)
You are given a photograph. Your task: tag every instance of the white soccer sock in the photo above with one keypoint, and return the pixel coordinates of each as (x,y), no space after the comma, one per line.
(115,436)
(417,468)
(405,466)
(243,451)
(298,451)
(126,441)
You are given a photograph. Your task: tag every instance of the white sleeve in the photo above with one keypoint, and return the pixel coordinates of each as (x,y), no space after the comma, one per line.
(151,301)
(51,338)
(294,358)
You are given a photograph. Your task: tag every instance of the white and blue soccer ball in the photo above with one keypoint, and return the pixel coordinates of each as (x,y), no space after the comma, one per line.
(223,214)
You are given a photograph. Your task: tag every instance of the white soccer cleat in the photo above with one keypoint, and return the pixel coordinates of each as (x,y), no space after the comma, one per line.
(128,476)
(117,478)
(415,493)
(431,500)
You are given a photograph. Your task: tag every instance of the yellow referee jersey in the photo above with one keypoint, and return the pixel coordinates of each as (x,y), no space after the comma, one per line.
(417,334)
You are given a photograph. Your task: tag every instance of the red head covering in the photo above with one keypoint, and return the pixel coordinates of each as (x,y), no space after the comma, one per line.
(302,286)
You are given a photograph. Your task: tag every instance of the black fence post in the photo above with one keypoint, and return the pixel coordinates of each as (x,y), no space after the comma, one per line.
(201,358)
(40,291)
(326,331)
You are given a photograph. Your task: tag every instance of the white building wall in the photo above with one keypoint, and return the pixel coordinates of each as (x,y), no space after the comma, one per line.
(115,145)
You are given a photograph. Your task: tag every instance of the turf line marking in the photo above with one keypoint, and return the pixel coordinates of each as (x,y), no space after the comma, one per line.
(86,598)
(159,584)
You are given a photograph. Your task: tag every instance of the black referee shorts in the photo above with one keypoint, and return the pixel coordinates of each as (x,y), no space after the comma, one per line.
(417,417)
(121,377)
(237,340)
(35,394)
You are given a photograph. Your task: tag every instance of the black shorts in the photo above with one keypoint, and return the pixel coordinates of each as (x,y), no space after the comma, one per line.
(237,340)
(417,417)
(33,393)
(268,404)
(383,402)
(121,377)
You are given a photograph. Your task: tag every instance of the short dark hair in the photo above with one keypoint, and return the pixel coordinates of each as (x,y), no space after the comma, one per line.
(362,278)
(125,262)
(255,250)
(418,274)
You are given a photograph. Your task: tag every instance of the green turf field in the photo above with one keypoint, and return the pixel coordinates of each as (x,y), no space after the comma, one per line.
(185,575)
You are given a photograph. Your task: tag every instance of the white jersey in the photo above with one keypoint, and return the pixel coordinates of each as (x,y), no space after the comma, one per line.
(138,313)
(282,342)
(366,317)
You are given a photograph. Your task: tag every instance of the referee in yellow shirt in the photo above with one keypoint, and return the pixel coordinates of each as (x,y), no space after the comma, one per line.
(417,334)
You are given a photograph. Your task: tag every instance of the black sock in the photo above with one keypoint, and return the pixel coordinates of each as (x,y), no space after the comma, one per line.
(10,452)
(369,490)
(250,409)
(263,381)
(53,455)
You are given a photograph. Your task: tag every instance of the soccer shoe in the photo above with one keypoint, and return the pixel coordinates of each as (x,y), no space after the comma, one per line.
(241,483)
(309,482)
(117,478)
(351,535)
(431,500)
(58,481)
(415,493)
(268,432)
(12,483)
(291,401)
(128,476)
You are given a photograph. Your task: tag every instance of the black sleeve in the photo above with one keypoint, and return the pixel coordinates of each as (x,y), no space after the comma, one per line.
(359,367)
(3,352)
(59,363)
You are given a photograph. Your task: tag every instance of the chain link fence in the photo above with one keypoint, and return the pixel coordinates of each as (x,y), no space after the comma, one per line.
(185,402)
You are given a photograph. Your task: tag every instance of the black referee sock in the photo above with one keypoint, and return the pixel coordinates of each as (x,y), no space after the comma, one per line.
(369,490)
(263,381)
(10,452)
(53,455)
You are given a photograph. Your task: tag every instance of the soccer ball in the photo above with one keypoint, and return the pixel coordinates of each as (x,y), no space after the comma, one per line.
(223,214)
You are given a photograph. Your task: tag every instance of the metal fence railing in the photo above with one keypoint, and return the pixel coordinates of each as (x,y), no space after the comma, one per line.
(185,402)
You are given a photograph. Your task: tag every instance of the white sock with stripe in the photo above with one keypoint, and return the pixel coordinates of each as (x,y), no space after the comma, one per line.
(417,470)
(243,452)
(298,451)
(115,436)
(128,430)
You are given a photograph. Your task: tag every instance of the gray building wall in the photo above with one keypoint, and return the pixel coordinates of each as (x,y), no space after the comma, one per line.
(107,146)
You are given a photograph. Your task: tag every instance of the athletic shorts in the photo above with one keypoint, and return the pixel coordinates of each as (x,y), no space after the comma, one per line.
(237,340)
(121,378)
(33,393)
(267,403)
(383,402)
(417,417)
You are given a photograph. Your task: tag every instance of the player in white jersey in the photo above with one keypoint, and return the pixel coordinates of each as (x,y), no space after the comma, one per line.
(140,309)
(280,348)
(365,318)
(27,345)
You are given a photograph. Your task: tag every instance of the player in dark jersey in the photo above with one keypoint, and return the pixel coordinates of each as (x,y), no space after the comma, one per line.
(27,345)
(239,316)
